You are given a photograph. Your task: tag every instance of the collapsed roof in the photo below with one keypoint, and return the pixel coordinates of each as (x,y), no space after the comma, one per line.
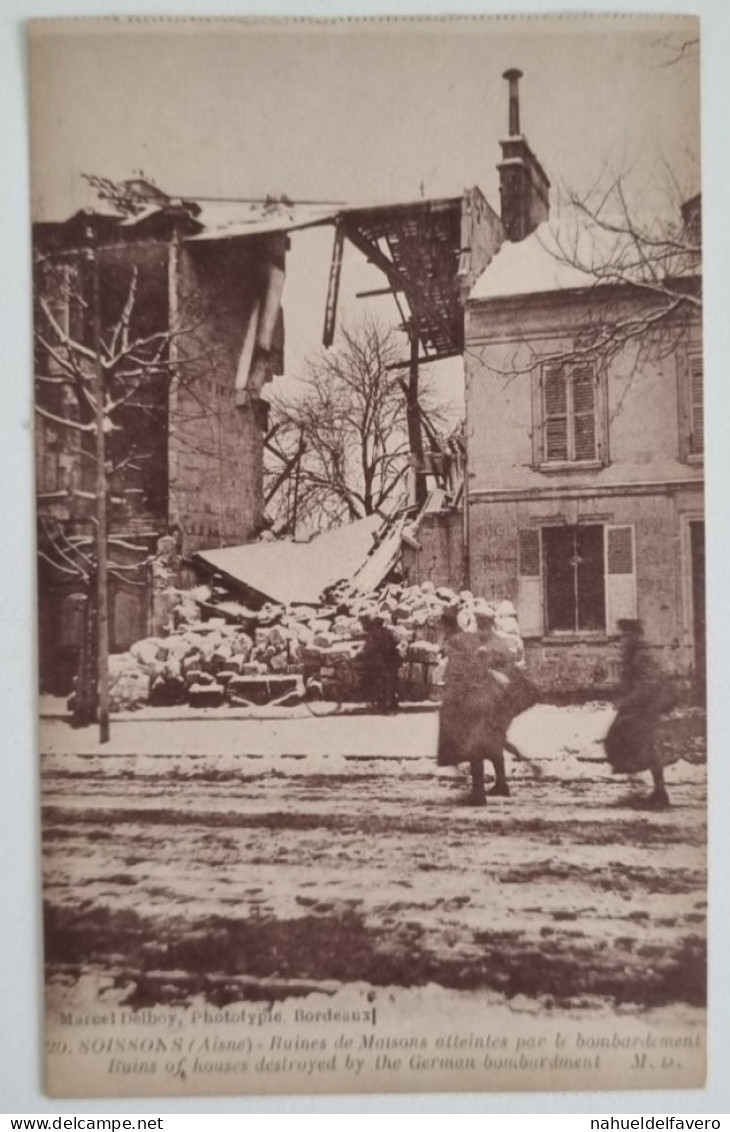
(430,251)
(289,572)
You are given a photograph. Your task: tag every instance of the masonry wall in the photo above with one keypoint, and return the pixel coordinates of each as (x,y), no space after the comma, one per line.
(641,394)
(215,465)
(440,554)
(580,663)
(644,477)
(563,663)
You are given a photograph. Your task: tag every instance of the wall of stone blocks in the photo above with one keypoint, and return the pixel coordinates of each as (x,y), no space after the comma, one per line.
(440,558)
(215,447)
(662,572)
(575,664)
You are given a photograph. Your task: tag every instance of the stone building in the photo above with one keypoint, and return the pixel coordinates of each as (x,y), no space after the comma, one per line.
(586,461)
(585,444)
(196,290)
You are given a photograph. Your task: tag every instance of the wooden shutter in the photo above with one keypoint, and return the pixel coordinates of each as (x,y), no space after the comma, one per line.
(584,413)
(529,583)
(555,418)
(59,313)
(620,575)
(696,404)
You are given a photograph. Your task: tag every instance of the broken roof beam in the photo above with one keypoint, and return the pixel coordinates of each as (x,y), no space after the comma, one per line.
(333,286)
(426,248)
(376,293)
(433,321)
(426,359)
(417,246)
(374,255)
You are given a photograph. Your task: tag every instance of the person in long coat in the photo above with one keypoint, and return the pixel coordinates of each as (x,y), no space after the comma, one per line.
(633,741)
(380,661)
(484,692)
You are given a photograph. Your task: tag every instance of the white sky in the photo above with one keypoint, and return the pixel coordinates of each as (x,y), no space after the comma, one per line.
(355,113)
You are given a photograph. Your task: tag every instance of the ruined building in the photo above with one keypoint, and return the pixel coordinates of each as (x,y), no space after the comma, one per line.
(190,328)
(578,494)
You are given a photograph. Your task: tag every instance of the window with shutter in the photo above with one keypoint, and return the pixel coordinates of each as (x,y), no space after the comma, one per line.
(697,411)
(576,579)
(61,317)
(583,390)
(570,413)
(556,414)
(529,583)
(620,575)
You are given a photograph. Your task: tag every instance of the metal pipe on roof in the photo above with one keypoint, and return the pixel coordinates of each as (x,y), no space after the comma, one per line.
(513,77)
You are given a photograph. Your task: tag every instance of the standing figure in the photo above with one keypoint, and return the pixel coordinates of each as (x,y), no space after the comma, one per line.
(484,692)
(633,741)
(380,662)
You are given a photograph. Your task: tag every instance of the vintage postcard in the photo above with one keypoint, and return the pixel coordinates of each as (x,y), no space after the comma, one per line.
(370,465)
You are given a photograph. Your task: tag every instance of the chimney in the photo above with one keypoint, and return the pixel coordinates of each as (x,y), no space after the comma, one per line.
(523,184)
(513,78)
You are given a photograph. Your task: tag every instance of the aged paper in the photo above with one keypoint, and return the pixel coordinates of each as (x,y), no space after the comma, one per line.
(370,447)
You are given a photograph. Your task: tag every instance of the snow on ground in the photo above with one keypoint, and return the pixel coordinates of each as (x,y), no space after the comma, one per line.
(564,741)
(228,858)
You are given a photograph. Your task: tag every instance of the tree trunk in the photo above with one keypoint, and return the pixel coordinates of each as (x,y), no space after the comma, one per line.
(85,694)
(102,593)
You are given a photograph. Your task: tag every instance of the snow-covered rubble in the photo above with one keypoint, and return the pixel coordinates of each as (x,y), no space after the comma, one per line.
(227,653)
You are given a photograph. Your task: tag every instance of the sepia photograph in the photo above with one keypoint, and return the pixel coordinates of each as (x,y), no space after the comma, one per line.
(369,437)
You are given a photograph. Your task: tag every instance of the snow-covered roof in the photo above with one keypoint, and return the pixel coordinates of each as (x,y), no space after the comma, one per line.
(533,266)
(226,220)
(218,217)
(576,252)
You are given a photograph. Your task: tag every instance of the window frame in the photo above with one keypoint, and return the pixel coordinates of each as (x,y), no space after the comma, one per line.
(689,452)
(570,367)
(695,363)
(574,529)
(619,573)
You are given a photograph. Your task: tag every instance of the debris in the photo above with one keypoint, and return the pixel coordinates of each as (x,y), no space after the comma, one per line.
(223,652)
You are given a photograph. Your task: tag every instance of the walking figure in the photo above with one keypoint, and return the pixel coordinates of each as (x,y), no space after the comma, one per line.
(485,691)
(633,742)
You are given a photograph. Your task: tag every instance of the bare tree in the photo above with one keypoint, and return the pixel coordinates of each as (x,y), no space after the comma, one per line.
(102,381)
(338,449)
(607,237)
(640,271)
(645,238)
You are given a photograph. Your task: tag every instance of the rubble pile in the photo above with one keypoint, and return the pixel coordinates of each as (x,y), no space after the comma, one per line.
(225,653)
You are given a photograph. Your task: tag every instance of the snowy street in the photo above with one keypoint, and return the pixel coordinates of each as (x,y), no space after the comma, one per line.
(304,850)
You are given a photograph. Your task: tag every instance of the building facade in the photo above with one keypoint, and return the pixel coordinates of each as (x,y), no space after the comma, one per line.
(586,488)
(585,456)
(189,329)
(583,498)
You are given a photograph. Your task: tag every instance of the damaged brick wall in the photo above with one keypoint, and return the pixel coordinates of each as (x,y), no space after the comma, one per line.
(215,446)
(440,554)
